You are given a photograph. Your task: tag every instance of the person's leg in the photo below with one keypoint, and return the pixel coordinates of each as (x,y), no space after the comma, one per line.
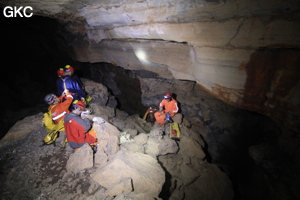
(160,117)
(91,137)
(177,118)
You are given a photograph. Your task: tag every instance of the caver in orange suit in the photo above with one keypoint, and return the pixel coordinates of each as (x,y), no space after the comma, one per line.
(57,107)
(167,105)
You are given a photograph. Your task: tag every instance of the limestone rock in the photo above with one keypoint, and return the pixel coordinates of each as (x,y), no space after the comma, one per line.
(124,186)
(191,148)
(80,159)
(100,157)
(132,146)
(160,146)
(99,94)
(108,138)
(212,184)
(141,139)
(146,174)
(103,111)
(23,127)
(132,132)
(188,174)
(125,137)
(135,196)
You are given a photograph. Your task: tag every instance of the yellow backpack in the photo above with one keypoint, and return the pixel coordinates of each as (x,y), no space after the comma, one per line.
(52,128)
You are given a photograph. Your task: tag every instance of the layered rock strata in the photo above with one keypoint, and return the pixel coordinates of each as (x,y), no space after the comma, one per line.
(244,53)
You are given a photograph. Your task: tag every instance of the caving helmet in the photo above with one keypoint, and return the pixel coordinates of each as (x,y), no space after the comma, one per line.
(168,95)
(49,98)
(69,68)
(78,104)
(60,72)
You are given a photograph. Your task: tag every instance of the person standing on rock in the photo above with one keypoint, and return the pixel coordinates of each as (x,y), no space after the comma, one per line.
(67,82)
(168,107)
(78,128)
(70,70)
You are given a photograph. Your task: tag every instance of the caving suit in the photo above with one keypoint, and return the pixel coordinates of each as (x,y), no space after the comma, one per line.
(77,79)
(59,110)
(168,107)
(74,87)
(78,131)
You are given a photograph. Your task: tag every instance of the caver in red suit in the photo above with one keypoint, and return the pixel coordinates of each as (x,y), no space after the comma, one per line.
(78,129)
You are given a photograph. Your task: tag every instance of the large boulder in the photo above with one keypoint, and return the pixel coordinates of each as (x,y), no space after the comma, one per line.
(80,159)
(211,184)
(23,127)
(146,174)
(158,144)
(108,137)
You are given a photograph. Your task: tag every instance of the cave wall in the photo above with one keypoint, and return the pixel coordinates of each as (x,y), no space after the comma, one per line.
(242,52)
(228,132)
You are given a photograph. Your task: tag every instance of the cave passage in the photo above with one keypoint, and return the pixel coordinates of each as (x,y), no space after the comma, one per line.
(35,49)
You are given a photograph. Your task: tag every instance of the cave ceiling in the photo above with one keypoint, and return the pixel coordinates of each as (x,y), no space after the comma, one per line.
(245,53)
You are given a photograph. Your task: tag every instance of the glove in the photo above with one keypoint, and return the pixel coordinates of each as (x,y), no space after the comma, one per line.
(82,99)
(84,115)
(98,120)
(66,92)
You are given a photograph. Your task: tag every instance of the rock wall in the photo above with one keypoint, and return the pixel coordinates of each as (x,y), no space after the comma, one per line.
(245,53)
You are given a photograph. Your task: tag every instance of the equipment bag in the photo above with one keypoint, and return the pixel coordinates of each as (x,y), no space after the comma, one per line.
(174,131)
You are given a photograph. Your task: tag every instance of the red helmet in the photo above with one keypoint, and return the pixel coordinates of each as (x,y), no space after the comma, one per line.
(79,104)
(168,95)
(69,68)
(60,72)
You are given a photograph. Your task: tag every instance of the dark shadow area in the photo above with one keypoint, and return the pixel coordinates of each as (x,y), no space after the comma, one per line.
(123,84)
(32,52)
(166,189)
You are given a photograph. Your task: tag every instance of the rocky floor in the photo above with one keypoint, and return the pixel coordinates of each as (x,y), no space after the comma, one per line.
(31,170)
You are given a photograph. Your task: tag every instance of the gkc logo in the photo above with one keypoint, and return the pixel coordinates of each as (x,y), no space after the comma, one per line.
(17,11)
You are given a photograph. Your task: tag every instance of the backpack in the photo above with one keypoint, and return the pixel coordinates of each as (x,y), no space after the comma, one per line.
(52,128)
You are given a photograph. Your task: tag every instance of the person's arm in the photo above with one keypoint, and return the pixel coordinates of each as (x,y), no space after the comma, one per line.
(161,106)
(85,123)
(175,108)
(69,98)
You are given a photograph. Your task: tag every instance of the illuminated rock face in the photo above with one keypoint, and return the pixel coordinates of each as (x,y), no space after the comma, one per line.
(245,53)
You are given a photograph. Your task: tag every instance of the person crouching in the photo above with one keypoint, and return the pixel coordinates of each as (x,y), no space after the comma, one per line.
(78,129)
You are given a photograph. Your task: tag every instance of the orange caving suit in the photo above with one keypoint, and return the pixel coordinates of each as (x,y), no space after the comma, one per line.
(168,106)
(59,110)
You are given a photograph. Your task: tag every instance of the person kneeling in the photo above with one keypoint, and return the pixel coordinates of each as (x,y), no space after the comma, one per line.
(78,129)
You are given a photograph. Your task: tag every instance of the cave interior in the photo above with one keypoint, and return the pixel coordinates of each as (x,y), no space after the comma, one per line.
(33,50)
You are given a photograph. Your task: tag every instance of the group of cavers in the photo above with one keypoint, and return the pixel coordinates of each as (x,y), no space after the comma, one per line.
(66,111)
